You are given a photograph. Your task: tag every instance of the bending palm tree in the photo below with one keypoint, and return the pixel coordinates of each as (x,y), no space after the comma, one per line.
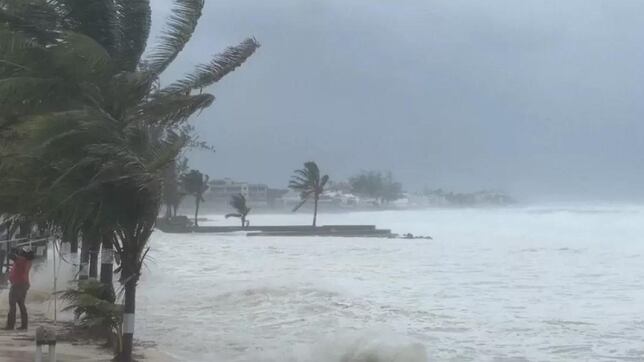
(173,191)
(85,129)
(196,184)
(309,184)
(238,202)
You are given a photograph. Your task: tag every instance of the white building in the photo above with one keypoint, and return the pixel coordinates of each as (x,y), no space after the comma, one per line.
(224,189)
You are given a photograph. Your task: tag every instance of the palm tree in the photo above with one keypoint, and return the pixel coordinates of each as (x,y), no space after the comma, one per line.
(173,192)
(238,202)
(309,184)
(85,129)
(195,183)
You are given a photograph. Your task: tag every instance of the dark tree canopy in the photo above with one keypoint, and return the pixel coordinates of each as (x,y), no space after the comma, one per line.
(375,184)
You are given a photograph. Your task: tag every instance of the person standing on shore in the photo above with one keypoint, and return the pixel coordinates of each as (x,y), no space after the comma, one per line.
(19,278)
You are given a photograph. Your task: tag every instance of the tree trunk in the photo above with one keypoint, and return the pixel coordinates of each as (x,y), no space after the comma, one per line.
(73,246)
(197,201)
(315,211)
(71,237)
(107,274)
(128,320)
(107,260)
(4,248)
(168,211)
(83,272)
(93,259)
(243,221)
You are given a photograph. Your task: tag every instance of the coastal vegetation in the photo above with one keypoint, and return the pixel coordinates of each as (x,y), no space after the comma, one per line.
(376,185)
(86,129)
(93,305)
(310,185)
(196,184)
(238,202)
(173,191)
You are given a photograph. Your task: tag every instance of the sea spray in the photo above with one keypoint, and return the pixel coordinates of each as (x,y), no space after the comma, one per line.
(40,296)
(368,346)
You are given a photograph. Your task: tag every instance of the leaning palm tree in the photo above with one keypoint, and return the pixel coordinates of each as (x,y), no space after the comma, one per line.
(238,202)
(196,184)
(85,127)
(309,184)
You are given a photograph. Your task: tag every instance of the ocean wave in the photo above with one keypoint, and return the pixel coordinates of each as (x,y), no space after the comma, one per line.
(371,346)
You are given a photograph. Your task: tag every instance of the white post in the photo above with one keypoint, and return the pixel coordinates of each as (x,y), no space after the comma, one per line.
(55,281)
(46,335)
(38,353)
(52,352)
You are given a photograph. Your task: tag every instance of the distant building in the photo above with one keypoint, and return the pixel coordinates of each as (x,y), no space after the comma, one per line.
(276,198)
(223,189)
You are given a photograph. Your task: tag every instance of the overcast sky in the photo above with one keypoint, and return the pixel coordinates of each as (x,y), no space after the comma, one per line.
(541,99)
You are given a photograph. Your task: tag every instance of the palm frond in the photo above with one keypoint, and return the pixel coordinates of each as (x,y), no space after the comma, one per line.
(19,16)
(171,109)
(19,95)
(80,57)
(324,181)
(298,206)
(181,24)
(134,20)
(97,19)
(222,64)
(238,202)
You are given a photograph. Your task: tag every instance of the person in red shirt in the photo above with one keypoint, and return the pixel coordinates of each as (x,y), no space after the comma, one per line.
(19,278)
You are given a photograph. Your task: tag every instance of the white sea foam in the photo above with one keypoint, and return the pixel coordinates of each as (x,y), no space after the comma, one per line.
(541,283)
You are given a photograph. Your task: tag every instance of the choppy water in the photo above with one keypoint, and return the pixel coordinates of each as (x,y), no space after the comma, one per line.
(523,284)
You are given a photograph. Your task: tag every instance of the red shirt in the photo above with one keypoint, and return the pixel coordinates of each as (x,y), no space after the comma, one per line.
(19,273)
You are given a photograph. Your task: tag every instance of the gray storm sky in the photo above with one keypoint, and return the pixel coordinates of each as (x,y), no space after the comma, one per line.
(536,98)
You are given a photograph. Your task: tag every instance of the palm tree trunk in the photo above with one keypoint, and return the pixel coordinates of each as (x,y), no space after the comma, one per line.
(107,258)
(72,237)
(243,221)
(198,200)
(128,320)
(168,211)
(93,260)
(83,272)
(4,252)
(315,211)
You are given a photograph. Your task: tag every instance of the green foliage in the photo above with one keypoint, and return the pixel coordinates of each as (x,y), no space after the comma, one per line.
(86,133)
(238,202)
(180,25)
(93,304)
(173,191)
(196,184)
